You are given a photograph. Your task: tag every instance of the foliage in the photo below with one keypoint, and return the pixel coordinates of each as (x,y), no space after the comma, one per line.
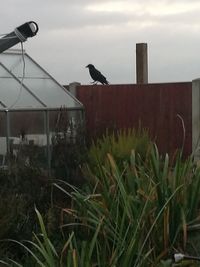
(20,190)
(119,145)
(11,214)
(68,147)
(26,184)
(141,212)
(43,252)
(137,210)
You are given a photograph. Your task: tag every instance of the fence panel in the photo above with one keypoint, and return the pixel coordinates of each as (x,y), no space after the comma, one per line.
(157,107)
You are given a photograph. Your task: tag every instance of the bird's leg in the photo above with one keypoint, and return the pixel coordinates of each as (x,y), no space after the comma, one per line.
(94,82)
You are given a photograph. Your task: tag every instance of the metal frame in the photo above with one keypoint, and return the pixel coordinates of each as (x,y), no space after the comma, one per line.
(13,51)
(46,130)
(43,108)
(48,141)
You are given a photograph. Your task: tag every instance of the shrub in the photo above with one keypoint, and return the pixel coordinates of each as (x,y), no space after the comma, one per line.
(136,216)
(119,145)
(20,190)
(135,211)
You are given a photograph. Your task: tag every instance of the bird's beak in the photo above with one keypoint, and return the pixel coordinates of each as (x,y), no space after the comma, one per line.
(86,66)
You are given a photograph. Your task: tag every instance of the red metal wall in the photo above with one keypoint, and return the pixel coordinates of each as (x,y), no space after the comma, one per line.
(154,106)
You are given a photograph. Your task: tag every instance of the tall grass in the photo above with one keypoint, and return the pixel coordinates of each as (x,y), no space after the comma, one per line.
(41,251)
(141,211)
(133,214)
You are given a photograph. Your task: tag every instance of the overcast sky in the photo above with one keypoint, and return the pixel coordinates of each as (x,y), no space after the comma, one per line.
(74,33)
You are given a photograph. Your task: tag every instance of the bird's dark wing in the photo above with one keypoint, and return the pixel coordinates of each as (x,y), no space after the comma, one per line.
(94,73)
(102,79)
(97,76)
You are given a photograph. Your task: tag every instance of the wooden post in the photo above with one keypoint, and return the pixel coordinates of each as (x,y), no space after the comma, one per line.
(141,63)
(196,119)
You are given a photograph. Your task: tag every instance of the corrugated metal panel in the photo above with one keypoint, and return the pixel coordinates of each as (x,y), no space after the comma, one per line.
(155,106)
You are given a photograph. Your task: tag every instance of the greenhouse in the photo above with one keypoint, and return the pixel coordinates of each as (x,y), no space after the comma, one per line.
(35,112)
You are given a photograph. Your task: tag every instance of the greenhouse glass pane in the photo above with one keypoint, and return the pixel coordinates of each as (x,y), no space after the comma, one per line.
(13,94)
(64,139)
(15,63)
(50,93)
(2,124)
(28,140)
(3,144)
(36,79)
(4,73)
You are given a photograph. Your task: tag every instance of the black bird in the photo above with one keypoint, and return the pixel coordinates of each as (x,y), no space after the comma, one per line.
(96,75)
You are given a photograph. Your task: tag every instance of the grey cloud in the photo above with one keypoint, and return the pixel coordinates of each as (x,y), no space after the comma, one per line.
(71,15)
(71,36)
